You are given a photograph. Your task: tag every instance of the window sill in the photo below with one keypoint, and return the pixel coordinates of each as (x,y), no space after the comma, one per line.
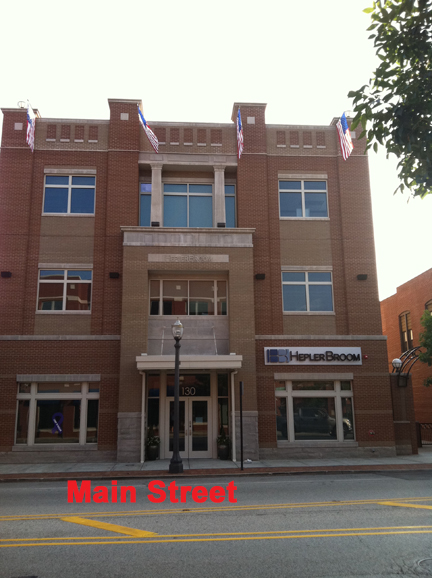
(40,312)
(304,218)
(68,215)
(309,313)
(317,443)
(54,447)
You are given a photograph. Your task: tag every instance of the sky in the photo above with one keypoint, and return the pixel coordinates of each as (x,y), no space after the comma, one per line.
(189,61)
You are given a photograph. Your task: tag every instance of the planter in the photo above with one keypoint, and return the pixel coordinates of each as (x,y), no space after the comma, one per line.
(223,452)
(152,453)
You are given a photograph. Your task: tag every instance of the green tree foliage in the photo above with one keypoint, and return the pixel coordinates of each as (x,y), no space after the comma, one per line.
(395,108)
(426,342)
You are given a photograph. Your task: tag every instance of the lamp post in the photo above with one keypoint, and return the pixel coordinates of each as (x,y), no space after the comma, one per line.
(400,366)
(176,464)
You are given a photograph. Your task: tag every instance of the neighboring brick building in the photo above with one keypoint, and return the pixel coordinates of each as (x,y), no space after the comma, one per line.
(401,315)
(268,261)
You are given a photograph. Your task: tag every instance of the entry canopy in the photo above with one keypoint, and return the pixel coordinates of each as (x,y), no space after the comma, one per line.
(152,362)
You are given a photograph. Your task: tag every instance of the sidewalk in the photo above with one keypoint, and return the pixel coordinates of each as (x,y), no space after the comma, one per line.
(196,467)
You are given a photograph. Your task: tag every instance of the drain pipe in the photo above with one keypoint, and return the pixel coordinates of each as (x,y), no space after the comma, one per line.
(233,430)
(143,383)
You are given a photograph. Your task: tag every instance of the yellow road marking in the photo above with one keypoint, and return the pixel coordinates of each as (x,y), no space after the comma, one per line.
(270,532)
(229,539)
(196,510)
(109,527)
(405,505)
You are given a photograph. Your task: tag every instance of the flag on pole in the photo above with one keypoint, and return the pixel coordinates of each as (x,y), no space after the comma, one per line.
(240,142)
(31,125)
(344,137)
(150,134)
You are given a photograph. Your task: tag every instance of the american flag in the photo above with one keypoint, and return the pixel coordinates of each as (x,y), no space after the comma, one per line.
(344,137)
(150,134)
(240,141)
(31,125)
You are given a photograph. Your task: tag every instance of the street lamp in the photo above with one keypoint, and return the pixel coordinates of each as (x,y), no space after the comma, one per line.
(404,365)
(176,464)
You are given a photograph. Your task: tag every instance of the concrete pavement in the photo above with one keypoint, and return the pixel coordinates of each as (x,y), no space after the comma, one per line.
(204,467)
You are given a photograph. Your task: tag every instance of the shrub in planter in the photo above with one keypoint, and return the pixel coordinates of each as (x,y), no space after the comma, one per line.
(152,445)
(223,445)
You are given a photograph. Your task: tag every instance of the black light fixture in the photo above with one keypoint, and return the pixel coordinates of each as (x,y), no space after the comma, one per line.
(114,275)
(362,277)
(221,225)
(155,224)
(176,464)
(260,276)
(6,274)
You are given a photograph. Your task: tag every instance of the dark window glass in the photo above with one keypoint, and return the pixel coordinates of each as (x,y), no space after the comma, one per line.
(293,277)
(406,334)
(229,189)
(175,188)
(175,297)
(290,185)
(153,385)
(221,298)
(175,211)
(82,201)
(348,418)
(92,421)
(83,181)
(316,205)
(194,385)
(199,426)
(222,384)
(315,186)
(294,297)
(320,298)
(57,421)
(78,296)
(223,421)
(345,385)
(200,211)
(56,180)
(57,275)
(314,418)
(59,388)
(230,212)
(281,419)
(50,296)
(200,189)
(75,275)
(153,415)
(312,385)
(291,205)
(22,421)
(145,210)
(56,200)
(145,187)
(317,277)
(201,298)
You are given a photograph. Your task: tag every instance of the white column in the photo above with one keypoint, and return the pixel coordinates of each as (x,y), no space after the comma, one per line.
(219,196)
(143,420)
(157,196)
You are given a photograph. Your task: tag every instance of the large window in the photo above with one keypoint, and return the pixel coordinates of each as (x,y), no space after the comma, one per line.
(406,334)
(145,204)
(307,291)
(57,413)
(303,199)
(182,297)
(314,411)
(230,206)
(188,205)
(64,290)
(69,195)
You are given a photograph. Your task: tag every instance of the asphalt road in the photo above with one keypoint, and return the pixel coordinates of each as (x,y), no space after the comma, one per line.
(326,526)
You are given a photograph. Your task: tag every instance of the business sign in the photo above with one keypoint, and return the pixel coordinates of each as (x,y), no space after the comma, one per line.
(312,356)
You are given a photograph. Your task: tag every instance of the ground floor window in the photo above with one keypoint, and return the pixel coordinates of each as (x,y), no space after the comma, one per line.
(57,413)
(314,411)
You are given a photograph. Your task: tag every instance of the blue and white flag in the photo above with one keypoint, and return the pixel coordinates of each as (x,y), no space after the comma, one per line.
(31,125)
(150,134)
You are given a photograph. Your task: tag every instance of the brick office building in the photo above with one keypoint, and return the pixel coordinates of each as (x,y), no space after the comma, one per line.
(268,261)
(401,315)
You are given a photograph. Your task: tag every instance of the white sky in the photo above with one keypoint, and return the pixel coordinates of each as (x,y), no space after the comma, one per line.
(191,60)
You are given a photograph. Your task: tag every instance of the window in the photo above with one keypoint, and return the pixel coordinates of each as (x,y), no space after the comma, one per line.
(64,290)
(145,204)
(178,297)
(406,334)
(305,199)
(314,411)
(69,195)
(307,291)
(230,205)
(428,306)
(188,205)
(57,413)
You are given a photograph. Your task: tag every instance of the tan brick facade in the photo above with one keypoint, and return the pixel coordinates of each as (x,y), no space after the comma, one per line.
(123,259)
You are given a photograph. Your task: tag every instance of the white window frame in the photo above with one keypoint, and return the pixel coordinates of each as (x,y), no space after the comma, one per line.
(188,194)
(33,396)
(65,283)
(69,188)
(215,282)
(307,283)
(337,394)
(302,191)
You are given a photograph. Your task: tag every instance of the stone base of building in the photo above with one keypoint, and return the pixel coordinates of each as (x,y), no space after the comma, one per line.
(129,437)
(294,453)
(57,456)
(250,435)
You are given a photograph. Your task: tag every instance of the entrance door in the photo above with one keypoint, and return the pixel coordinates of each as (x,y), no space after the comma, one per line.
(195,428)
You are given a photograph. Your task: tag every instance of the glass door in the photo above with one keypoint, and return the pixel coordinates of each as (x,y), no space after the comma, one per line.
(195,440)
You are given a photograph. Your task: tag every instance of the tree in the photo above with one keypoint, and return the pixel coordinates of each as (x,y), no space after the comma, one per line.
(426,342)
(398,99)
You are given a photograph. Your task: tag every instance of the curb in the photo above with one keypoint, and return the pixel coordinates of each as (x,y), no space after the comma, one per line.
(162,474)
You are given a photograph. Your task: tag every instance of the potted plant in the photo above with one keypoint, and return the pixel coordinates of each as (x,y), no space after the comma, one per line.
(152,445)
(223,444)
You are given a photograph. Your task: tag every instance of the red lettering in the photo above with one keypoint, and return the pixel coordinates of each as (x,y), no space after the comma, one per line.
(154,489)
(231,489)
(183,491)
(114,491)
(173,488)
(132,492)
(100,495)
(199,494)
(78,494)
(217,494)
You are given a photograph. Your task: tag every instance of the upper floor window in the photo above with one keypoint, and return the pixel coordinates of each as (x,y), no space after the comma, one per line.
(230,206)
(307,291)
(406,334)
(69,195)
(179,297)
(145,204)
(428,306)
(64,290)
(304,199)
(188,205)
